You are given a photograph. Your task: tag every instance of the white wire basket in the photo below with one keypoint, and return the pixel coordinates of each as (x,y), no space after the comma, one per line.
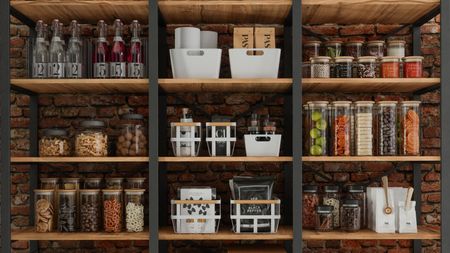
(245,220)
(221,138)
(195,216)
(186,138)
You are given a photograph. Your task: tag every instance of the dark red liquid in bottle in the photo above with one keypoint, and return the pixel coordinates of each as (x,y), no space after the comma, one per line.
(135,54)
(101,54)
(118,51)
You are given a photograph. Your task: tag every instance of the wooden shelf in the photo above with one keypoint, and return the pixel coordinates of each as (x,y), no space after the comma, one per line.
(30,234)
(225,11)
(424,233)
(356,11)
(226,159)
(79,159)
(85,11)
(371,159)
(367,84)
(282,85)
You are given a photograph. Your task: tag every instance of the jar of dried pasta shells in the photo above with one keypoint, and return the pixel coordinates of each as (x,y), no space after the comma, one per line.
(54,142)
(91,139)
(132,140)
(44,210)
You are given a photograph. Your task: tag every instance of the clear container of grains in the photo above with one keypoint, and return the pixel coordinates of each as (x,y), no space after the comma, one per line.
(375,48)
(390,67)
(413,67)
(311,49)
(90,219)
(350,215)
(44,210)
(357,192)
(134,210)
(340,128)
(343,67)
(132,140)
(386,128)
(354,48)
(396,48)
(317,128)
(67,210)
(114,183)
(332,197)
(135,183)
(91,139)
(320,67)
(49,183)
(363,128)
(112,211)
(310,203)
(367,67)
(324,218)
(333,48)
(54,142)
(92,183)
(409,128)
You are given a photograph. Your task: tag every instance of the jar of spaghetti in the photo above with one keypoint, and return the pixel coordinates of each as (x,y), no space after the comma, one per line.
(409,128)
(354,48)
(112,210)
(343,67)
(340,128)
(387,128)
(363,128)
(413,66)
(333,48)
(367,67)
(320,67)
(396,48)
(390,67)
(375,48)
(310,203)
(311,49)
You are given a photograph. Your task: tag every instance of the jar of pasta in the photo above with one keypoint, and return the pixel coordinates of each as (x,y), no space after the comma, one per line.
(311,49)
(44,210)
(410,128)
(67,210)
(386,126)
(320,67)
(49,183)
(333,48)
(340,128)
(90,219)
(91,139)
(317,123)
(363,128)
(343,67)
(112,211)
(367,67)
(375,48)
(396,48)
(54,142)
(390,67)
(413,67)
(134,210)
(132,140)
(354,48)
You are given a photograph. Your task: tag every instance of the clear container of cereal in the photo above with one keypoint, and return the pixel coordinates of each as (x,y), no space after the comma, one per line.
(317,128)
(320,67)
(306,69)
(135,183)
(386,125)
(363,128)
(375,48)
(354,48)
(332,197)
(67,210)
(390,67)
(333,48)
(54,142)
(341,128)
(350,215)
(112,211)
(44,210)
(90,219)
(115,183)
(413,67)
(70,183)
(132,140)
(134,210)
(343,67)
(396,48)
(92,183)
(91,139)
(311,49)
(310,203)
(367,67)
(324,218)
(49,183)
(409,137)
(357,192)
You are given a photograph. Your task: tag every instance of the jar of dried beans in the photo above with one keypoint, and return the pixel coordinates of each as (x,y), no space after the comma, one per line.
(363,128)
(375,48)
(357,192)
(340,128)
(350,215)
(410,128)
(54,142)
(67,210)
(310,203)
(324,218)
(311,49)
(317,128)
(320,67)
(90,219)
(49,183)
(112,210)
(331,197)
(367,67)
(354,48)
(44,210)
(343,67)
(390,67)
(134,210)
(386,126)
(333,48)
(132,140)
(412,67)
(91,139)
(92,183)
(396,48)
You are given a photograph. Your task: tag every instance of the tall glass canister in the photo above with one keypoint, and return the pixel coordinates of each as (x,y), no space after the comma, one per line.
(364,128)
(90,219)
(386,126)
(317,118)
(341,128)
(67,210)
(44,210)
(134,210)
(112,211)
(409,128)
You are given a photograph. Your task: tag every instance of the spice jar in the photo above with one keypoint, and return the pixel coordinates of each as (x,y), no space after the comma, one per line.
(254,127)
(320,67)
(306,69)
(54,142)
(44,210)
(333,48)
(49,183)
(375,48)
(390,67)
(67,211)
(343,67)
(134,210)
(317,128)
(70,183)
(112,210)
(340,128)
(132,140)
(409,128)
(269,127)
(114,183)
(92,183)
(90,220)
(354,48)
(357,192)
(367,67)
(387,128)
(91,140)
(412,67)
(350,216)
(135,183)
(311,49)
(331,197)
(324,218)
(310,203)
(396,48)
(364,128)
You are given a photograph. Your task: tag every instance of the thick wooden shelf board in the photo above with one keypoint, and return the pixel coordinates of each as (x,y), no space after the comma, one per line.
(30,234)
(367,84)
(371,159)
(78,159)
(282,85)
(423,234)
(85,11)
(225,11)
(365,11)
(227,159)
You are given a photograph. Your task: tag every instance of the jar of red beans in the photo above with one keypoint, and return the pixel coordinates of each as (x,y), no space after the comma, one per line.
(311,49)
(390,67)
(310,203)
(353,48)
(375,48)
(413,67)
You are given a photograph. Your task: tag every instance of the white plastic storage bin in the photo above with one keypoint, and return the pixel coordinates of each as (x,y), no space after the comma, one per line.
(186,138)
(220,138)
(195,216)
(255,216)
(195,63)
(262,144)
(254,63)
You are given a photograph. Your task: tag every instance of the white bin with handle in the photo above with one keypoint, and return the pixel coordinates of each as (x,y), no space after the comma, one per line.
(262,144)
(254,63)
(195,63)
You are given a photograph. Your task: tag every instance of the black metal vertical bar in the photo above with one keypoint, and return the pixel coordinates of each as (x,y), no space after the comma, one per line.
(33,128)
(163,197)
(287,167)
(417,40)
(417,248)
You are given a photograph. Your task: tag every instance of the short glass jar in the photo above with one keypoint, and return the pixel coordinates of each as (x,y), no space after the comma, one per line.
(357,192)
(390,67)
(396,48)
(114,183)
(70,183)
(132,140)
(91,139)
(112,211)
(350,215)
(306,69)
(67,210)
(363,128)
(310,203)
(311,49)
(92,183)
(333,48)
(343,67)
(134,210)
(317,128)
(320,67)
(332,197)
(90,219)
(413,67)
(44,210)
(49,183)
(354,48)
(367,67)
(54,142)
(324,218)
(409,128)
(375,48)
(386,126)
(340,128)
(135,183)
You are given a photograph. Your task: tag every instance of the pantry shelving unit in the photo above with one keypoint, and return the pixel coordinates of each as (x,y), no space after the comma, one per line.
(158,13)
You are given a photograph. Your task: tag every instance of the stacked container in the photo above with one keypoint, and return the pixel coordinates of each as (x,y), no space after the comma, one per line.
(364,128)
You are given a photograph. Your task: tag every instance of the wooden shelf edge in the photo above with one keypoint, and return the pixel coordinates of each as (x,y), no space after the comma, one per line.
(227,159)
(78,159)
(371,159)
(30,234)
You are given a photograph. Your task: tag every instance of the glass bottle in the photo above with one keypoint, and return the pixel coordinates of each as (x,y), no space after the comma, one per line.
(56,68)
(101,55)
(254,127)
(409,128)
(269,127)
(340,128)
(44,210)
(186,132)
(135,55)
(134,210)
(117,68)
(74,68)
(40,52)
(90,210)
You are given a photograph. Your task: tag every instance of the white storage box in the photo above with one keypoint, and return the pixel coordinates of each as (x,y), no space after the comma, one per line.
(186,138)
(220,138)
(254,63)
(195,216)
(195,63)
(262,144)
(244,221)
(376,202)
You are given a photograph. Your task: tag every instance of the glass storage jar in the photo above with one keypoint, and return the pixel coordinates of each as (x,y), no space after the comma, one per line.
(413,67)
(364,128)
(352,129)
(367,67)
(317,123)
(135,183)
(320,67)
(357,192)
(409,128)
(91,139)
(340,128)
(134,210)
(132,140)
(67,211)
(331,197)
(396,48)
(311,49)
(70,183)
(49,183)
(90,219)
(324,218)
(310,203)
(115,183)
(386,126)
(306,69)
(54,142)
(354,48)
(333,48)
(375,48)
(112,211)
(390,67)
(343,67)
(92,183)
(350,215)
(44,210)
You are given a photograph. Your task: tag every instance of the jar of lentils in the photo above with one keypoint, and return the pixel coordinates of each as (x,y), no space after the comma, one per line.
(90,219)
(331,197)
(311,49)
(343,67)
(340,128)
(390,67)
(320,67)
(54,142)
(375,48)
(333,48)
(364,128)
(310,203)
(350,215)
(413,67)
(354,48)
(357,192)
(410,128)
(367,67)
(396,48)
(317,128)
(324,218)
(387,128)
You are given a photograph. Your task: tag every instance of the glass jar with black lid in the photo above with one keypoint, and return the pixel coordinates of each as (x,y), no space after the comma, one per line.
(324,218)
(350,215)
(331,197)
(54,142)
(310,203)
(357,192)
(91,139)
(132,140)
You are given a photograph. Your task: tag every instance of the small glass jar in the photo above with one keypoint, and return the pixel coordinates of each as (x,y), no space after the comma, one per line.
(54,142)
(254,126)
(134,210)
(70,183)
(413,67)
(91,139)
(357,192)
(135,183)
(390,67)
(340,128)
(44,210)
(306,69)
(132,140)
(396,48)
(363,128)
(343,67)
(310,203)
(317,128)
(311,49)
(324,218)
(92,183)
(67,211)
(387,128)
(409,128)
(114,183)
(320,67)
(367,67)
(90,219)
(112,211)
(331,197)
(350,215)
(375,48)
(354,48)
(333,48)
(49,183)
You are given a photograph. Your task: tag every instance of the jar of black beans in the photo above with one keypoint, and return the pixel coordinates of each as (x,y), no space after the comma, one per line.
(67,211)
(350,216)
(90,219)
(358,193)
(342,67)
(367,67)
(387,128)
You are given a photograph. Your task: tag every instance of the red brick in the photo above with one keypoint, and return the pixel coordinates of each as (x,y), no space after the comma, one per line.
(17,42)
(359,177)
(432,176)
(19,244)
(431,132)
(351,244)
(328,30)
(71,100)
(430,187)
(20,122)
(138,100)
(434,197)
(315,244)
(431,143)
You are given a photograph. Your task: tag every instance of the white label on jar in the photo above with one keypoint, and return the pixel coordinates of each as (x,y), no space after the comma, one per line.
(56,70)
(135,70)
(74,70)
(40,70)
(118,69)
(101,70)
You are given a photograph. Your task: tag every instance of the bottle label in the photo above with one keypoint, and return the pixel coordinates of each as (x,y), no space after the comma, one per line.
(56,70)
(135,70)
(74,70)
(40,70)
(101,70)
(118,69)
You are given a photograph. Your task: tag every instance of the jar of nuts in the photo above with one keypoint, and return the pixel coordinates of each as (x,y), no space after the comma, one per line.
(91,140)
(54,142)
(132,140)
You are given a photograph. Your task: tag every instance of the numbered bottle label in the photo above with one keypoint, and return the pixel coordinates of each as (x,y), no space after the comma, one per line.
(40,70)
(56,70)
(135,70)
(118,69)
(101,70)
(74,70)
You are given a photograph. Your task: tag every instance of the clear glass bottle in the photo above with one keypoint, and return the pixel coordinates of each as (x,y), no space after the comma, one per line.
(67,210)
(375,48)
(350,215)
(413,67)
(317,128)
(332,198)
(333,48)
(134,210)
(40,52)
(357,192)
(320,67)
(115,183)
(386,128)
(311,49)
(310,203)
(44,210)
(135,54)
(135,183)
(364,128)
(101,55)
(132,140)
(340,128)
(367,67)
(324,218)
(90,219)
(49,183)
(117,68)
(57,60)
(92,183)
(74,68)
(343,67)
(112,211)
(396,48)
(409,137)
(54,142)
(91,139)
(354,48)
